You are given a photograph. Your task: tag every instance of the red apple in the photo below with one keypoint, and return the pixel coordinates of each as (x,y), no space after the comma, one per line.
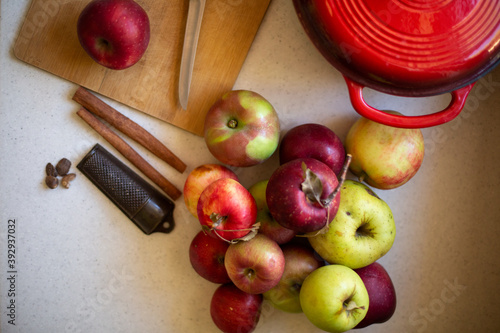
(268,225)
(299,195)
(235,311)
(199,179)
(227,210)
(206,255)
(316,141)
(115,33)
(242,129)
(384,157)
(300,261)
(381,292)
(255,266)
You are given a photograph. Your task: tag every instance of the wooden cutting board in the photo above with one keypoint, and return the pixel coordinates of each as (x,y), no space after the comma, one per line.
(48,41)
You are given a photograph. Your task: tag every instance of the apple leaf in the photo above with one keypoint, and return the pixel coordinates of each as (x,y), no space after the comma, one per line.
(326,202)
(312,185)
(351,306)
(206,229)
(253,232)
(254,229)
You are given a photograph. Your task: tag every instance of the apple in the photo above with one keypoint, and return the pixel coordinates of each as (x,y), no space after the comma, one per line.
(384,157)
(316,141)
(256,265)
(334,298)
(362,231)
(242,129)
(300,261)
(227,210)
(206,255)
(235,311)
(114,33)
(299,194)
(199,178)
(381,292)
(268,225)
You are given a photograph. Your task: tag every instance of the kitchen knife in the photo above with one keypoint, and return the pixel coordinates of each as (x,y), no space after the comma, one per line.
(193,24)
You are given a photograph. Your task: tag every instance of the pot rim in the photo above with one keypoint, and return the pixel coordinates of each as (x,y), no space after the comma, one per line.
(316,30)
(414,91)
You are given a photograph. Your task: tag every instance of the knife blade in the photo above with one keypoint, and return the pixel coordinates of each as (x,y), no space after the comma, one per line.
(193,24)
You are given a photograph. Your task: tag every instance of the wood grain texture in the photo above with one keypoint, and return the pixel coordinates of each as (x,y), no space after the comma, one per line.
(48,41)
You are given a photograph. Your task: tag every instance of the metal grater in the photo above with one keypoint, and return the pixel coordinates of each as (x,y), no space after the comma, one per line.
(149,209)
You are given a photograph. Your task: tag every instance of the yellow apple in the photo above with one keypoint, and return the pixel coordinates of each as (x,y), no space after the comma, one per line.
(362,231)
(384,157)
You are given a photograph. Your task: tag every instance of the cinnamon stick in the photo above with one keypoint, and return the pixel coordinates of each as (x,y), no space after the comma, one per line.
(126,150)
(95,105)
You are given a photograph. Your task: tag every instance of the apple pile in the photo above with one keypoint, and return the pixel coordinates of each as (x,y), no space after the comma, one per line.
(307,239)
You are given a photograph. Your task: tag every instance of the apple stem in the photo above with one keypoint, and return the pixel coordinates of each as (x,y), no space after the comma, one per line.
(361,178)
(342,178)
(250,273)
(233,123)
(217,219)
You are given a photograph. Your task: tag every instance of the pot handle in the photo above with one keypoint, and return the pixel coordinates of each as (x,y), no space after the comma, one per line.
(456,105)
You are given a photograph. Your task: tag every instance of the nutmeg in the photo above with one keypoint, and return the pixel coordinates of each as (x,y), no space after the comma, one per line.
(63,166)
(50,170)
(51,182)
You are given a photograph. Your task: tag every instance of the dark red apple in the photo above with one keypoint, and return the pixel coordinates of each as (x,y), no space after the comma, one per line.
(115,33)
(206,255)
(235,311)
(255,266)
(227,210)
(381,292)
(299,195)
(316,141)
(268,225)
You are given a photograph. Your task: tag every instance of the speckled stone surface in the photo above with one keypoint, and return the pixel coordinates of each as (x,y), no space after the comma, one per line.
(82,266)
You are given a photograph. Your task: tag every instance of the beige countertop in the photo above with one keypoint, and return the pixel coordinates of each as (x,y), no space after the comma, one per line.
(82,266)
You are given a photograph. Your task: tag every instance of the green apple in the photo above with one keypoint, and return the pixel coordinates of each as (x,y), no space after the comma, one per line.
(362,231)
(334,298)
(383,156)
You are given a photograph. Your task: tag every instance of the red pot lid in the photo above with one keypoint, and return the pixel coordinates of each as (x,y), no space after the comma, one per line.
(411,44)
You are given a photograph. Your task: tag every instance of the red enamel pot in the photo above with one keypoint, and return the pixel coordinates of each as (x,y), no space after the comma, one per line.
(412,48)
